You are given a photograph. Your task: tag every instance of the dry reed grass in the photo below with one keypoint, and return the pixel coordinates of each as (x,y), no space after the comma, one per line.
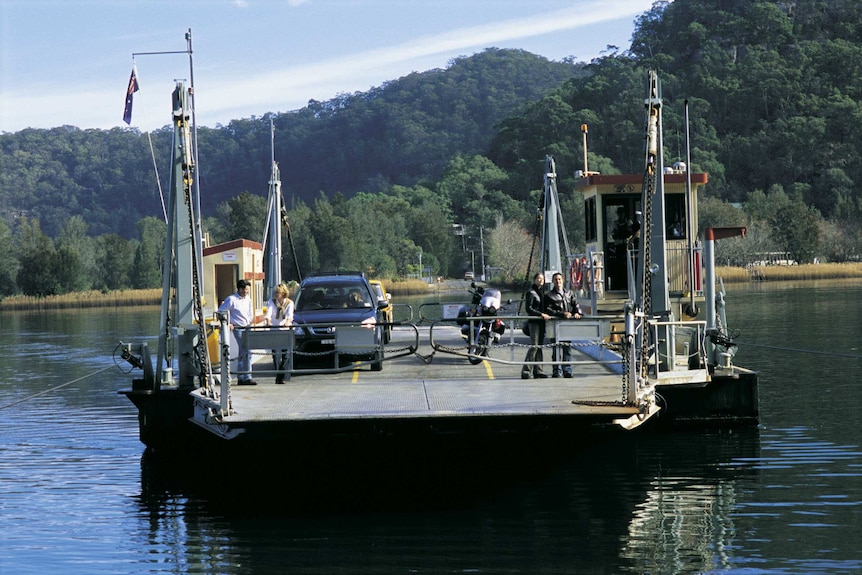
(83,300)
(783,273)
(407,287)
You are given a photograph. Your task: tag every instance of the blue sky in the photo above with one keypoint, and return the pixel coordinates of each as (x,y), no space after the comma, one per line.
(67,62)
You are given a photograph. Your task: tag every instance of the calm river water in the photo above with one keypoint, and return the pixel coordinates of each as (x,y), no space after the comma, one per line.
(76,495)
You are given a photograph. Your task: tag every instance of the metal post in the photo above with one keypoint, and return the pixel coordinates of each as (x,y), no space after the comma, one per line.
(224,396)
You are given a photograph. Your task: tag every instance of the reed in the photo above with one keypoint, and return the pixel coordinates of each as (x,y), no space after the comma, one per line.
(122,298)
(87,299)
(784,273)
(406,287)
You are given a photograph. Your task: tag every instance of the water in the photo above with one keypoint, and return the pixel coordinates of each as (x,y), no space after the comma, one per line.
(76,495)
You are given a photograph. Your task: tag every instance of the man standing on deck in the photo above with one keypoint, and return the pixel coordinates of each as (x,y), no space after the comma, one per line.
(239,308)
(560,303)
(536,328)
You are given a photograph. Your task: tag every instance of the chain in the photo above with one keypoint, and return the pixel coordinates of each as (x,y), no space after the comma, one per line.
(649,189)
(202,350)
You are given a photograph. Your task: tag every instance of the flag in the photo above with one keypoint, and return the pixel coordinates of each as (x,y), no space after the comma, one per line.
(130,92)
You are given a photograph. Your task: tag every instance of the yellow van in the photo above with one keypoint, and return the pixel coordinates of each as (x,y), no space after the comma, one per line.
(385,314)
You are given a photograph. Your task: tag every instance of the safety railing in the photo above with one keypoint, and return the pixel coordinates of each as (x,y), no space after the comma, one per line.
(590,333)
(352,345)
(680,351)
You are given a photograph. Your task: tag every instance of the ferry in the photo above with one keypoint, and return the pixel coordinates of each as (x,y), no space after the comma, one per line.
(642,360)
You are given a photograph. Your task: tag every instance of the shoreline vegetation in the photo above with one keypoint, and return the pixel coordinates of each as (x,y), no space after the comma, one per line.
(410,287)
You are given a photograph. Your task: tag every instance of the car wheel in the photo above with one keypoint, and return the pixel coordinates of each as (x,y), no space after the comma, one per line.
(475,355)
(377,363)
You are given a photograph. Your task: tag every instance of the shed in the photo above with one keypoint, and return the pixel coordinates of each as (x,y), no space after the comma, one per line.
(227,263)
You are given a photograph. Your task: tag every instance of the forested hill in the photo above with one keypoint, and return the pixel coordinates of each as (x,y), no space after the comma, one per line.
(775,97)
(774,90)
(398,133)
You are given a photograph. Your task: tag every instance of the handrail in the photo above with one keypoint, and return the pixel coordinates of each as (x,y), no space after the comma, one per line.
(669,357)
(593,333)
(282,339)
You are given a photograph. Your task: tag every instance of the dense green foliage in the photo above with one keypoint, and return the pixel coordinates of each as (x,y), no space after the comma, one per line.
(773,92)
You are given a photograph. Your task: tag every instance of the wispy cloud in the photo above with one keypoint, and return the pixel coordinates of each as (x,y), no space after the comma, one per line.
(361,70)
(236,94)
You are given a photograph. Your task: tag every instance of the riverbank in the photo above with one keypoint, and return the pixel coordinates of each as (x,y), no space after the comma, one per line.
(132,297)
(788,273)
(411,287)
(87,299)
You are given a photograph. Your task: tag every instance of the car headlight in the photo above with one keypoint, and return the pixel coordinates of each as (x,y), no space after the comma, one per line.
(298,331)
(369,321)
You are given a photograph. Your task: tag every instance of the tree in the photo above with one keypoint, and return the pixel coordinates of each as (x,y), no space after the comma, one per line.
(76,256)
(246,214)
(797,229)
(149,254)
(36,260)
(509,249)
(116,257)
(69,269)
(8,262)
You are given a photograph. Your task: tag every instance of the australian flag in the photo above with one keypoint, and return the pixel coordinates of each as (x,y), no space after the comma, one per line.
(130,92)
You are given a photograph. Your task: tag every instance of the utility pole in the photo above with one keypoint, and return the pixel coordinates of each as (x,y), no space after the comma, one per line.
(482,250)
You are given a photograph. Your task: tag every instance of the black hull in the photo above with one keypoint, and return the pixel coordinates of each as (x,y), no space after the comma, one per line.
(164,416)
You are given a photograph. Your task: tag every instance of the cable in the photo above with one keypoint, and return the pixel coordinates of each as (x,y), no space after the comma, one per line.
(55,388)
(797,350)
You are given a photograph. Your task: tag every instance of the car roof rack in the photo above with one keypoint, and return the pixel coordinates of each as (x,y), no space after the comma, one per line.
(338,273)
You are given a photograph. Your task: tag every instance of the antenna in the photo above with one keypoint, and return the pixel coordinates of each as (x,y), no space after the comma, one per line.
(584,131)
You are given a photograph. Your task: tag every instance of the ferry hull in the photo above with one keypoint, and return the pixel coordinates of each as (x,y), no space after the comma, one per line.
(167,424)
(730,399)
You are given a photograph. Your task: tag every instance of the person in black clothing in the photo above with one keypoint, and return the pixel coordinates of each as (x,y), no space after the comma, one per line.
(536,327)
(561,303)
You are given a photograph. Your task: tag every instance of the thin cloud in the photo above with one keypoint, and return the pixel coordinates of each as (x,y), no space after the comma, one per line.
(358,71)
(291,87)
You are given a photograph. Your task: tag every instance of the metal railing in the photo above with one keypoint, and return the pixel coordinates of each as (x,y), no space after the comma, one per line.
(349,341)
(588,332)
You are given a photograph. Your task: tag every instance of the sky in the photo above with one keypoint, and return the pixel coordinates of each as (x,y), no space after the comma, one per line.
(68,62)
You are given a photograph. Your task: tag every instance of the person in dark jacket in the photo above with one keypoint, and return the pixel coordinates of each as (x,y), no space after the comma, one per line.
(560,303)
(536,328)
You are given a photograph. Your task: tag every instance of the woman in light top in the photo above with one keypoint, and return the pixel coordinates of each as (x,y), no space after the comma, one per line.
(279,313)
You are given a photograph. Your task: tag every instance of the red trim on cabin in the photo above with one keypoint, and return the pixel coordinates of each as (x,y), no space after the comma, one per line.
(713,234)
(232,245)
(635,180)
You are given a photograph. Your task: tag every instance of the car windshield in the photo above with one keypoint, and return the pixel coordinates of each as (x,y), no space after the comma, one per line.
(378,291)
(333,295)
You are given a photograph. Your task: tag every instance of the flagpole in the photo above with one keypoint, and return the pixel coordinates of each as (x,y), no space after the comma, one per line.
(196,183)
(197,180)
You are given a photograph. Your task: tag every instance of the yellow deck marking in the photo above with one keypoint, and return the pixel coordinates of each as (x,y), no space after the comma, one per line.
(488,369)
(355,374)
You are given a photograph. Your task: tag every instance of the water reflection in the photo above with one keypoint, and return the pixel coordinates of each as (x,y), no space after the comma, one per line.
(664,503)
(76,496)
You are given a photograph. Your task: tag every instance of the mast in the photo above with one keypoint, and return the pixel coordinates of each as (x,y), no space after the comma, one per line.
(690,203)
(652,266)
(182,326)
(272,230)
(553,229)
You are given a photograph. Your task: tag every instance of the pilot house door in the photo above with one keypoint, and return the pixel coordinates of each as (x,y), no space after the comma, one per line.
(622,231)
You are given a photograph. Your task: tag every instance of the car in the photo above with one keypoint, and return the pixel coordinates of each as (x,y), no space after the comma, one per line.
(385,313)
(322,303)
(468,276)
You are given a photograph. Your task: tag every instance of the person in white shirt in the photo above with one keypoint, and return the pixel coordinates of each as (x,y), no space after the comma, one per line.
(240,310)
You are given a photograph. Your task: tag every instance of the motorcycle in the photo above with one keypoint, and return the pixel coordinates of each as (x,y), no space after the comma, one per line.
(485,304)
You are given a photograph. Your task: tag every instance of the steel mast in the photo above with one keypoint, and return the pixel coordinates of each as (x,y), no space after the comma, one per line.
(272,230)
(553,229)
